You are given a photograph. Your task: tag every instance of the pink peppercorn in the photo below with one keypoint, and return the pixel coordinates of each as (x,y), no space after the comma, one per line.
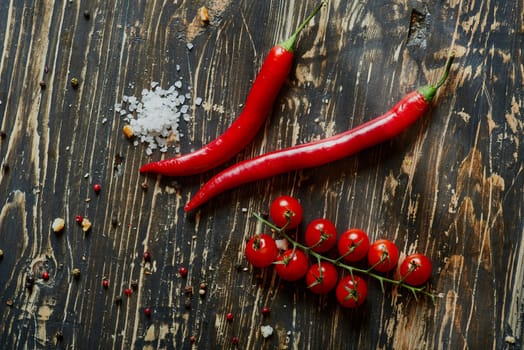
(105,283)
(147,312)
(45,275)
(182,271)
(97,188)
(229,316)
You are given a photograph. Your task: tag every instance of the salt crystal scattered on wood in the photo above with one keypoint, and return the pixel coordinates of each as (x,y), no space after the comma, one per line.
(155,116)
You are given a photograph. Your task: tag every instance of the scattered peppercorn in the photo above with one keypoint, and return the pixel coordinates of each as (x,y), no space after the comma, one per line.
(147,256)
(86,224)
(266,311)
(134,284)
(5,168)
(229,316)
(76,273)
(29,281)
(203,14)
(144,186)
(234,340)
(97,188)
(183,272)
(128,292)
(43,84)
(114,221)
(128,131)
(188,290)
(118,300)
(147,312)
(75,83)
(3,135)
(187,304)
(202,292)
(87,15)
(203,285)
(45,275)
(59,336)
(192,339)
(9,302)
(105,283)
(58,224)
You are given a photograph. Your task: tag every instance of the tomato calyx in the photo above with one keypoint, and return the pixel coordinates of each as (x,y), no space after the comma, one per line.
(318,280)
(351,248)
(352,294)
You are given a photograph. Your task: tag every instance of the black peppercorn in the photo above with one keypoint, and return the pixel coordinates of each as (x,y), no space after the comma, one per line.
(75,83)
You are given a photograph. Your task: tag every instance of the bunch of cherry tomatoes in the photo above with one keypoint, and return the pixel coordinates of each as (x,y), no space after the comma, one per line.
(353,246)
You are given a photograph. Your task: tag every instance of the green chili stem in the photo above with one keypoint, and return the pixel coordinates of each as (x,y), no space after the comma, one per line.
(446,70)
(429,91)
(289,43)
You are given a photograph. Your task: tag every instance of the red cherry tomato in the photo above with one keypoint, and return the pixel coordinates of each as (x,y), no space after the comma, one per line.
(415,269)
(292,265)
(322,278)
(351,291)
(321,235)
(261,250)
(353,245)
(286,211)
(383,255)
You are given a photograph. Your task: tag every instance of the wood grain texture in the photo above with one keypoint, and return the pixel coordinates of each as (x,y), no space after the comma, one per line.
(451,186)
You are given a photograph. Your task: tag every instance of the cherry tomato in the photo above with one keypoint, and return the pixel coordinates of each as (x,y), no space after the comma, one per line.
(286,211)
(415,269)
(292,265)
(353,245)
(351,291)
(261,250)
(321,278)
(383,255)
(321,235)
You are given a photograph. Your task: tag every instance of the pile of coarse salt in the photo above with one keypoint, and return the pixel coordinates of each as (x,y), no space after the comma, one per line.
(155,117)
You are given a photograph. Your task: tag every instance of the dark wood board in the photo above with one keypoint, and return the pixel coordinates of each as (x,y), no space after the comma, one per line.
(451,186)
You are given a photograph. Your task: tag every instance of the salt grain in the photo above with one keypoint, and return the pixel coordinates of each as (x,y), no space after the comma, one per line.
(266,331)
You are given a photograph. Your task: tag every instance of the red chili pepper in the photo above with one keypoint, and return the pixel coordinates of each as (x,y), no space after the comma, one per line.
(316,153)
(260,99)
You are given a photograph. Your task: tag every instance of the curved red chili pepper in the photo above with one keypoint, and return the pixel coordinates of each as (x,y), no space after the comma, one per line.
(259,102)
(316,153)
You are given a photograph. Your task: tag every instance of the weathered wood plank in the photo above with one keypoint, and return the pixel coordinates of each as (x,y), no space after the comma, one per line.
(450,186)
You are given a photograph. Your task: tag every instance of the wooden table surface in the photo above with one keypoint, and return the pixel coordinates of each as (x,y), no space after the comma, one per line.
(450,187)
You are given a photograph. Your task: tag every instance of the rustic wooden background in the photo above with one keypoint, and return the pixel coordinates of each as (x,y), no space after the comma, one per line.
(451,186)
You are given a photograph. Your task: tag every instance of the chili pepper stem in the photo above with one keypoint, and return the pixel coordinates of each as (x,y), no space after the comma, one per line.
(351,269)
(429,91)
(289,43)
